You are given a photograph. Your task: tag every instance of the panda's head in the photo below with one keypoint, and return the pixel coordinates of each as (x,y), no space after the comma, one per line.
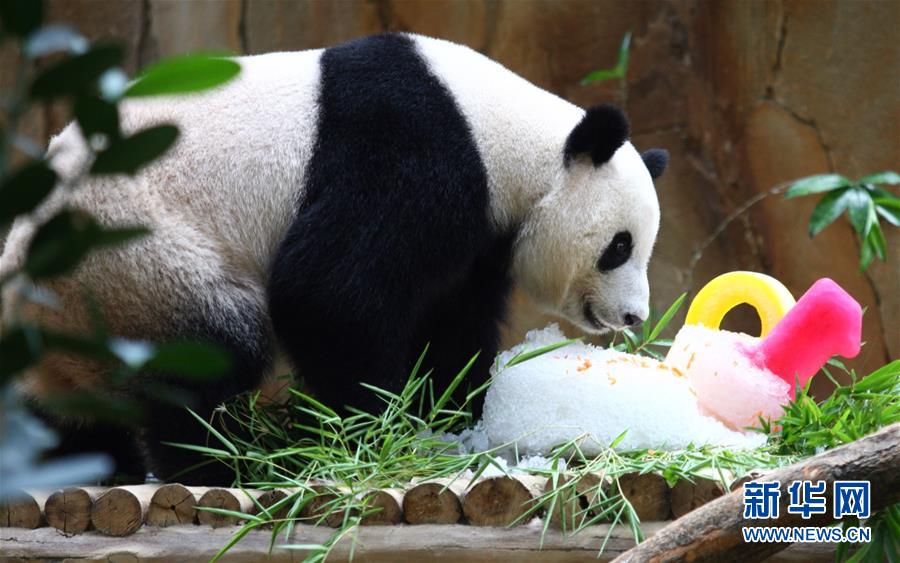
(583,251)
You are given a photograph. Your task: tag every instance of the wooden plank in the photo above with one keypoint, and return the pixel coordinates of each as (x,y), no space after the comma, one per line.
(381,544)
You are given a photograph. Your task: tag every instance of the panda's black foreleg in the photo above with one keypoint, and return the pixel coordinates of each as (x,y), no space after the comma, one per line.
(466,321)
(336,350)
(244,336)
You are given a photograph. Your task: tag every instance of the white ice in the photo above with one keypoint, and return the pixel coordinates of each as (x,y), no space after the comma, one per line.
(594,394)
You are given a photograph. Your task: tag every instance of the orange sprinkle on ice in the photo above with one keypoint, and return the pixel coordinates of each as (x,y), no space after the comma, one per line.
(612,380)
(585,365)
(691,360)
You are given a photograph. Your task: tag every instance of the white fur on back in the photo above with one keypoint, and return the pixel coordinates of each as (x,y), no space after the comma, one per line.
(519,128)
(234,175)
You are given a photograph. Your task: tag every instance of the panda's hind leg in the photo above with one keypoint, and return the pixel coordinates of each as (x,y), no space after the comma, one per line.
(239,328)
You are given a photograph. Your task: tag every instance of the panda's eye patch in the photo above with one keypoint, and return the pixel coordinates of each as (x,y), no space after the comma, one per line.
(617,253)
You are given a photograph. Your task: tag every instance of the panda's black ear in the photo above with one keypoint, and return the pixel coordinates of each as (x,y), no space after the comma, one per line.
(600,133)
(656,161)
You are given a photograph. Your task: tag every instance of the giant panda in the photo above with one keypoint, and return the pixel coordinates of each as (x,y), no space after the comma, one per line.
(342,208)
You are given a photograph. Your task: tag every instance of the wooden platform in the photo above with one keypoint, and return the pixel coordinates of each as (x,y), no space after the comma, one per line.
(387,544)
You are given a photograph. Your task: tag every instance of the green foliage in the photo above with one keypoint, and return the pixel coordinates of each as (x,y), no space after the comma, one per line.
(24,189)
(86,78)
(862,200)
(61,243)
(619,71)
(191,73)
(129,154)
(77,75)
(20,17)
(848,414)
(304,442)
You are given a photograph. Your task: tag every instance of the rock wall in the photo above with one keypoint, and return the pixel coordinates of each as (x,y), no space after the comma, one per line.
(745,95)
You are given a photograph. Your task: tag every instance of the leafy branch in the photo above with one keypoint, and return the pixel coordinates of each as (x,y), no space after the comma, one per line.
(862,200)
(87,79)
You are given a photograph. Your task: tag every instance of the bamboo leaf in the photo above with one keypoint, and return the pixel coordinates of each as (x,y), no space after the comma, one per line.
(197,361)
(828,209)
(859,203)
(129,154)
(76,75)
(666,318)
(817,184)
(525,356)
(889,209)
(876,236)
(209,428)
(24,189)
(887,177)
(179,75)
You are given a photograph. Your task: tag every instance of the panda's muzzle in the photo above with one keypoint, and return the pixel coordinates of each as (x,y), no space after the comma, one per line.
(591,317)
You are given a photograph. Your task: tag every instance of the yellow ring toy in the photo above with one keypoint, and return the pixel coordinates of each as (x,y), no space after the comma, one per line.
(764,293)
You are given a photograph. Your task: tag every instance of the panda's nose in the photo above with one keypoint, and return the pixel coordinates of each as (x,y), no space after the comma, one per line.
(632,320)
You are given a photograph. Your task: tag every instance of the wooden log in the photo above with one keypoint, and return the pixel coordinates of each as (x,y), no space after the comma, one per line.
(387,502)
(688,495)
(502,500)
(434,502)
(750,476)
(25,512)
(173,504)
(120,511)
(575,503)
(323,508)
(271,497)
(69,510)
(235,500)
(713,531)
(648,494)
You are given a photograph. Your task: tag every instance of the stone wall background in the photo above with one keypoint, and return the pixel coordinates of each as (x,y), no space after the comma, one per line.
(745,95)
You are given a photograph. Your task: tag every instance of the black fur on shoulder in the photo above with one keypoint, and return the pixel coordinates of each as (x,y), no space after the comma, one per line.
(656,161)
(600,133)
(392,246)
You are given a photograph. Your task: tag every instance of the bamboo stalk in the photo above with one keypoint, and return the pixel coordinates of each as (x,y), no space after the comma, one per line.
(26,512)
(501,501)
(120,511)
(434,502)
(69,510)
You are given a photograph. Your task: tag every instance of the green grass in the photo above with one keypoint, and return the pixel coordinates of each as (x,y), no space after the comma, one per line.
(308,447)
